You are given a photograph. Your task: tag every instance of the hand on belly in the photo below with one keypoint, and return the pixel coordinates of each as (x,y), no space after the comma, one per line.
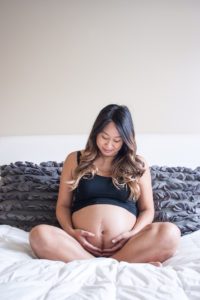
(117,243)
(104,223)
(83,236)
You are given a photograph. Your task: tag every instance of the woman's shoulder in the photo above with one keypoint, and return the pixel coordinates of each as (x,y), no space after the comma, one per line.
(70,163)
(72,157)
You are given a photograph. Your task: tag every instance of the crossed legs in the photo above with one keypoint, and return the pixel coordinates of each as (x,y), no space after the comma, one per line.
(156,242)
(53,243)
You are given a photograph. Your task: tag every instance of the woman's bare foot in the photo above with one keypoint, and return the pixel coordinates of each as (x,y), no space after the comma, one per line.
(156,263)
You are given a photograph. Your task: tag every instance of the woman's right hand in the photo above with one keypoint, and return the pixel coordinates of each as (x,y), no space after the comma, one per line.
(81,236)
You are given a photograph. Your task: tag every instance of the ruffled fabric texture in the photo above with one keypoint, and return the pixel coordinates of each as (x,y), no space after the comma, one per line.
(28,195)
(176,192)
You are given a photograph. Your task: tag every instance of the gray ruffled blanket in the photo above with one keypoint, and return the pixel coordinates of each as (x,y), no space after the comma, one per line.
(176,193)
(28,194)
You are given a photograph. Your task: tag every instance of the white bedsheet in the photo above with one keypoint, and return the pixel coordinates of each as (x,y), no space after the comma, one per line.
(24,277)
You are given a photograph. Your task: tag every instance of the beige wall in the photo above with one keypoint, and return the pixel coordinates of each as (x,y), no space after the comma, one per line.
(62,61)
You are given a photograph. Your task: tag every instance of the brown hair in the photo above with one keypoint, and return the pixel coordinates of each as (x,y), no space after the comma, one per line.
(127,167)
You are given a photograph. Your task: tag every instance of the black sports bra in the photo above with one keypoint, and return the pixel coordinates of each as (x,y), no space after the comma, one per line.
(101,190)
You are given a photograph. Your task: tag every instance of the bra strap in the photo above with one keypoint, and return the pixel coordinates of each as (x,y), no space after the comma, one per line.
(78,157)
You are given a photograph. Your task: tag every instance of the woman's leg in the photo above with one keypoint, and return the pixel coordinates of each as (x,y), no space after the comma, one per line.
(156,242)
(53,243)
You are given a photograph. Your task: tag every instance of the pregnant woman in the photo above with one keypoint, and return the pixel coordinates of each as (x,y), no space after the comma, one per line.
(105,203)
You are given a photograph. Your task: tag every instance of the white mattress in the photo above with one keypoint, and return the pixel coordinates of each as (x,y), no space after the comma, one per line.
(24,277)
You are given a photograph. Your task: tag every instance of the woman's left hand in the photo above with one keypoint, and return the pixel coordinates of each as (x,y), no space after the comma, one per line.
(118,243)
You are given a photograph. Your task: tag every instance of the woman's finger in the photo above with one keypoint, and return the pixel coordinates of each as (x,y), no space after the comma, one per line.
(120,237)
(87,245)
(114,248)
(116,239)
(91,248)
(87,233)
(95,253)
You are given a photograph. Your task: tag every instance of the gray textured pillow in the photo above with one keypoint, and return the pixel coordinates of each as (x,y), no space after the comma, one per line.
(176,192)
(28,193)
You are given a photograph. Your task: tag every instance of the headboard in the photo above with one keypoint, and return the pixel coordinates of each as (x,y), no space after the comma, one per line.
(165,149)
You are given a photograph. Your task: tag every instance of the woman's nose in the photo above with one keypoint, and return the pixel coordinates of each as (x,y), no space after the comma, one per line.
(109,144)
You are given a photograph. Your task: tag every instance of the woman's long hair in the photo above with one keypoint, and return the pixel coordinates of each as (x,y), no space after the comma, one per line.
(127,168)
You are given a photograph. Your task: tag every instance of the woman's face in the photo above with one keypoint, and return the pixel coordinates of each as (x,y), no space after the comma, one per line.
(109,140)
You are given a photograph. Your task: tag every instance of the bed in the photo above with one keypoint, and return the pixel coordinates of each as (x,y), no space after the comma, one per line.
(30,169)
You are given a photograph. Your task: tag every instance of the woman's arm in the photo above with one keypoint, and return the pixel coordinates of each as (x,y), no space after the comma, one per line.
(145,201)
(63,206)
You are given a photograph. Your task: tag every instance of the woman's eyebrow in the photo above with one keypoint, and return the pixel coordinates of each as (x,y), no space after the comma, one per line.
(118,136)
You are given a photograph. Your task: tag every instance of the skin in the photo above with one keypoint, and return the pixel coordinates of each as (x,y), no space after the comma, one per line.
(93,230)
(102,217)
(101,232)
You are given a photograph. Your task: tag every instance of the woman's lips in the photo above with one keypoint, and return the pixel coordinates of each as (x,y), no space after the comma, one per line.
(107,151)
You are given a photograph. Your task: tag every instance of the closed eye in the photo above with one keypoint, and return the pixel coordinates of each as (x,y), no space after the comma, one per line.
(105,137)
(118,141)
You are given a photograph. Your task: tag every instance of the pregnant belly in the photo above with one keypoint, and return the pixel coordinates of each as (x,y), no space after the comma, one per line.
(105,221)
